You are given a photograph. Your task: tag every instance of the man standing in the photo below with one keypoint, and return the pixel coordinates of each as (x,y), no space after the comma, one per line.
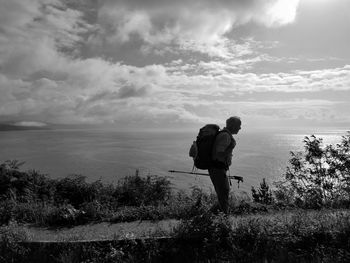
(222,157)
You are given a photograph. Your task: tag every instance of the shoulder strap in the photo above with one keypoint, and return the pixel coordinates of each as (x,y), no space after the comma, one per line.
(226,131)
(233,142)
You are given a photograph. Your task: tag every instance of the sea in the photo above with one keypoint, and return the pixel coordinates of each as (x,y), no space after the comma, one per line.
(110,155)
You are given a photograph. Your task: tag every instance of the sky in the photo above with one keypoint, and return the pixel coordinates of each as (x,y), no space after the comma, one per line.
(175,63)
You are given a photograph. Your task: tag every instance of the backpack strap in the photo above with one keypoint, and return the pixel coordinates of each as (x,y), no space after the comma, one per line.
(221,165)
(232,143)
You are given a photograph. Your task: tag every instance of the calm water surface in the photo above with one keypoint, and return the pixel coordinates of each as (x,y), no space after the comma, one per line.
(109,155)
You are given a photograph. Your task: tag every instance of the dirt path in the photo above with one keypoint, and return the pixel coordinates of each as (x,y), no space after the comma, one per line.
(102,231)
(144,229)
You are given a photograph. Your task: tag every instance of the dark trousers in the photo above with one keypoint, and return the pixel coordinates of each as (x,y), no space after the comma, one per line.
(221,185)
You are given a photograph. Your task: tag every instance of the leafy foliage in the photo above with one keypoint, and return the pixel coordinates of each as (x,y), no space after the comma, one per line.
(136,191)
(211,236)
(318,177)
(31,197)
(10,249)
(263,195)
(23,186)
(308,236)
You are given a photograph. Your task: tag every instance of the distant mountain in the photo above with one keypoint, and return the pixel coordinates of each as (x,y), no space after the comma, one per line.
(24,126)
(13,127)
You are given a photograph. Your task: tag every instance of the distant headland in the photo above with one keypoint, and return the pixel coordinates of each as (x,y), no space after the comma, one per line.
(16,127)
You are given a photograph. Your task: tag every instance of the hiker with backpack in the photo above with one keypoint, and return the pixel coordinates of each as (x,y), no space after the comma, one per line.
(213,151)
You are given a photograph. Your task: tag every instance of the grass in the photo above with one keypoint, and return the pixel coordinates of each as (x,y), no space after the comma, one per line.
(311,236)
(30,197)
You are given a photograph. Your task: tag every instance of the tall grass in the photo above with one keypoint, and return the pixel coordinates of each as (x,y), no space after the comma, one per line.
(297,236)
(30,197)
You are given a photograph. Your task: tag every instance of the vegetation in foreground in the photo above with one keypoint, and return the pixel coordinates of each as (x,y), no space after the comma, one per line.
(298,236)
(31,197)
(315,191)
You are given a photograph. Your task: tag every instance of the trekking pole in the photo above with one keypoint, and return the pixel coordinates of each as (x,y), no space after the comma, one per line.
(238,178)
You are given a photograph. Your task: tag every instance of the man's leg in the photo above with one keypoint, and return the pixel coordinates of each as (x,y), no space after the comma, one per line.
(221,186)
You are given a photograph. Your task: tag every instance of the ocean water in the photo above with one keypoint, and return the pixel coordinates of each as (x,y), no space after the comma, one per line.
(109,155)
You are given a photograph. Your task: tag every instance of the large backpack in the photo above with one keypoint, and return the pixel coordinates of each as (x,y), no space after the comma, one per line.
(201,149)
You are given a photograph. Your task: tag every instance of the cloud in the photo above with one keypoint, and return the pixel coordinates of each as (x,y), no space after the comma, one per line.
(155,96)
(30,124)
(219,78)
(199,25)
(129,91)
(44,76)
(256,113)
(34,35)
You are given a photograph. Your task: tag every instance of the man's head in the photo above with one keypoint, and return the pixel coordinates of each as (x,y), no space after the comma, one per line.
(233,124)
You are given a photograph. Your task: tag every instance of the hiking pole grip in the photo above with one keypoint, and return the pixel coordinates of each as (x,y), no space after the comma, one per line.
(238,178)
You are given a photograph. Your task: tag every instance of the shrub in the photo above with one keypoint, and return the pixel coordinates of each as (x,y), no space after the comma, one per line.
(178,206)
(317,236)
(94,210)
(31,197)
(211,237)
(65,215)
(263,195)
(7,211)
(13,183)
(319,176)
(10,249)
(75,190)
(136,190)
(29,212)
(23,186)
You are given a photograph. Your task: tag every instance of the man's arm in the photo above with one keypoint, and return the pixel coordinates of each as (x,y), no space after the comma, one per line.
(222,142)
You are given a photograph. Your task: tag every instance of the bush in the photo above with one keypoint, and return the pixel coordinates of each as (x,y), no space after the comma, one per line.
(30,212)
(318,177)
(74,190)
(23,186)
(92,211)
(65,215)
(263,195)
(137,191)
(7,211)
(31,197)
(10,249)
(302,236)
(179,206)
(211,237)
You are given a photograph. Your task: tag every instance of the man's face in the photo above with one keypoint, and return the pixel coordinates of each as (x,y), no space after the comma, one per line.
(234,128)
(237,128)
